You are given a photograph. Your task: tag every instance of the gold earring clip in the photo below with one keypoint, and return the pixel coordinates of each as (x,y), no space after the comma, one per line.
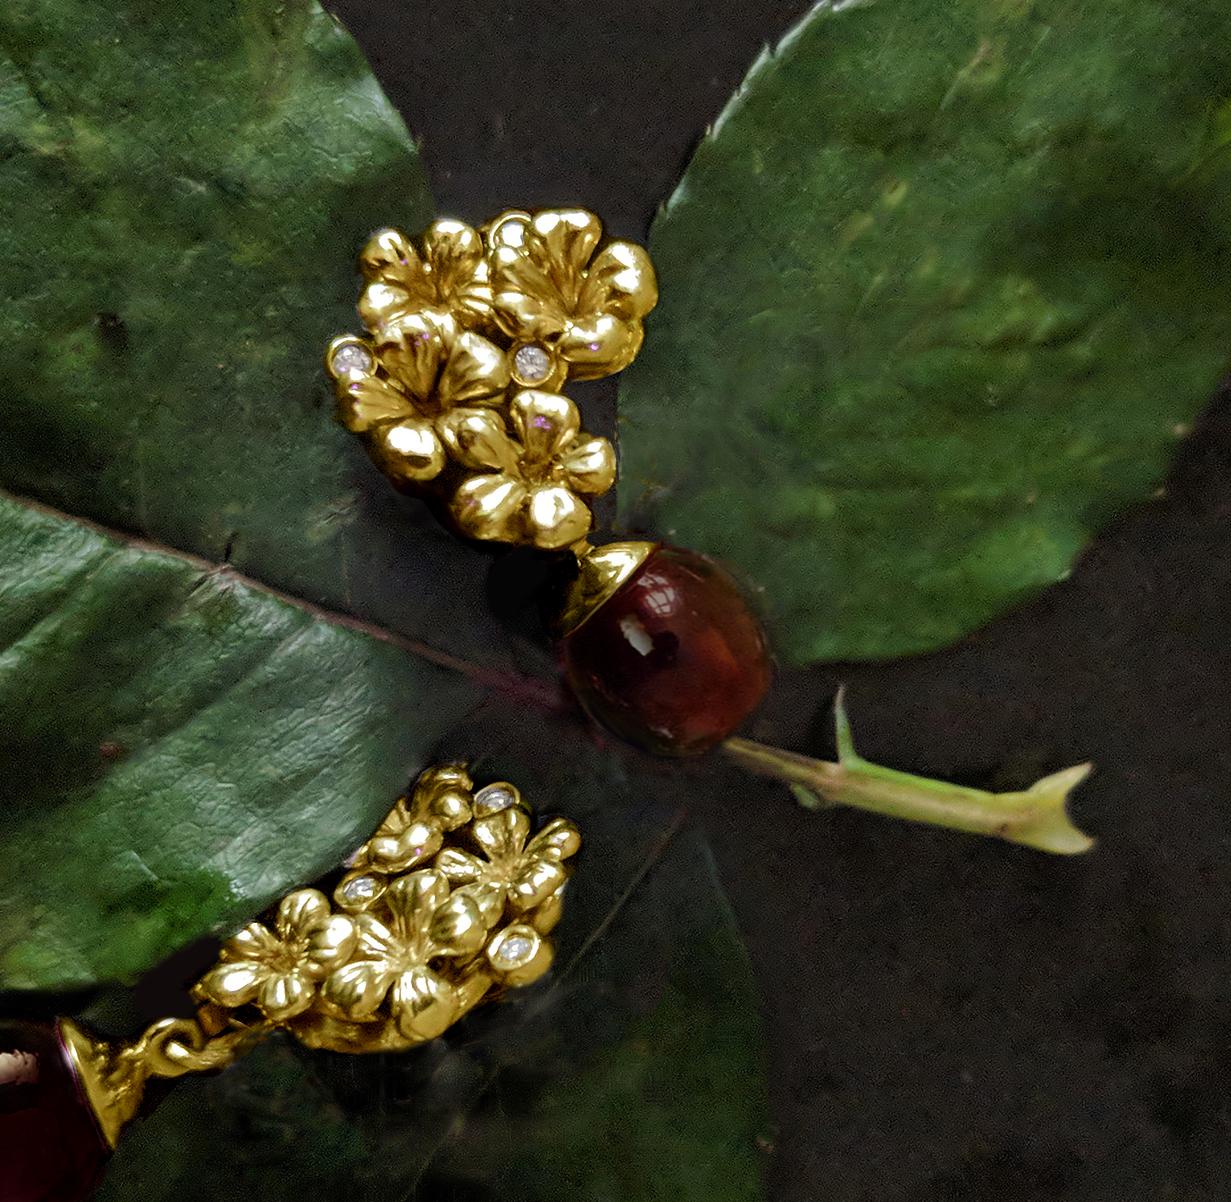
(448,904)
(457,385)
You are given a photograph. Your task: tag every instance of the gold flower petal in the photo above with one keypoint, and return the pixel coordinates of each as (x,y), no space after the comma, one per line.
(545,917)
(566,238)
(440,780)
(234,984)
(423,1003)
(368,402)
(502,835)
(390,255)
(458,927)
(476,438)
(535,883)
(590,466)
(558,840)
(453,249)
(298,912)
(451,805)
(455,252)
(599,345)
(413,899)
(409,450)
(477,369)
(459,866)
(412,348)
(489,895)
(473,302)
(413,844)
(527,303)
(556,518)
(442,776)
(380,303)
(283,995)
(376,941)
(546,423)
(489,507)
(525,318)
(620,281)
(254,942)
(330,942)
(357,989)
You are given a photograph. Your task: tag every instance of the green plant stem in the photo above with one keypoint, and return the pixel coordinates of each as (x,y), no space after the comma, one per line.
(1035,817)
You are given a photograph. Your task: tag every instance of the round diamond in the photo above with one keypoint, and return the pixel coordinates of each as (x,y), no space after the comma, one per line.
(360,889)
(513,951)
(531,364)
(352,357)
(493,799)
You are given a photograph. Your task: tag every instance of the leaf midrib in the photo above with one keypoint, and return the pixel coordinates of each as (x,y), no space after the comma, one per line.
(530,688)
(545,694)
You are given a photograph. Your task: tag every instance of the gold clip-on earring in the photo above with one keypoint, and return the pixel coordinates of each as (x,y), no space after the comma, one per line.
(447,905)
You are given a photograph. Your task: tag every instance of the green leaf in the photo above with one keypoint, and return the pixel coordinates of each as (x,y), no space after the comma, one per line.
(179,746)
(181,206)
(634,1071)
(183,192)
(940,292)
(673,1108)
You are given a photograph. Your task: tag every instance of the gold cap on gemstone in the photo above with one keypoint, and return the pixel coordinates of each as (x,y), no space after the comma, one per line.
(601,573)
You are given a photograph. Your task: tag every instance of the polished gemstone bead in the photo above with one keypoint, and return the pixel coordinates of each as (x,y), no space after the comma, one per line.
(674,660)
(51,1149)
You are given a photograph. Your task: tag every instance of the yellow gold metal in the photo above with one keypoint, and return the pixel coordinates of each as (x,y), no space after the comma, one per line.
(443,271)
(113,1102)
(114,1079)
(600,572)
(530,482)
(449,903)
(471,336)
(550,281)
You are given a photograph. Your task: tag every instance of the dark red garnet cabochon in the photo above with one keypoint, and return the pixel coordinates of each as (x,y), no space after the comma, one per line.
(51,1149)
(675,660)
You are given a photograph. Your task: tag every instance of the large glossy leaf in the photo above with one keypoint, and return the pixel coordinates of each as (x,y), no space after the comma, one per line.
(633,1072)
(183,191)
(178,746)
(939,293)
(180,208)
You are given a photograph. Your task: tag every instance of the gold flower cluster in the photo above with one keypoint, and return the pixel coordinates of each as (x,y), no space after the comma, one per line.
(453,897)
(471,334)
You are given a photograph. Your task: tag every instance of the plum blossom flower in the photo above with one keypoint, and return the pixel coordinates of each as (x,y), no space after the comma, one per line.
(512,868)
(552,286)
(396,959)
(443,271)
(280,970)
(529,487)
(419,368)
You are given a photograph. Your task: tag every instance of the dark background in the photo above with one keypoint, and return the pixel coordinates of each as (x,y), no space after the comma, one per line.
(947,1018)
